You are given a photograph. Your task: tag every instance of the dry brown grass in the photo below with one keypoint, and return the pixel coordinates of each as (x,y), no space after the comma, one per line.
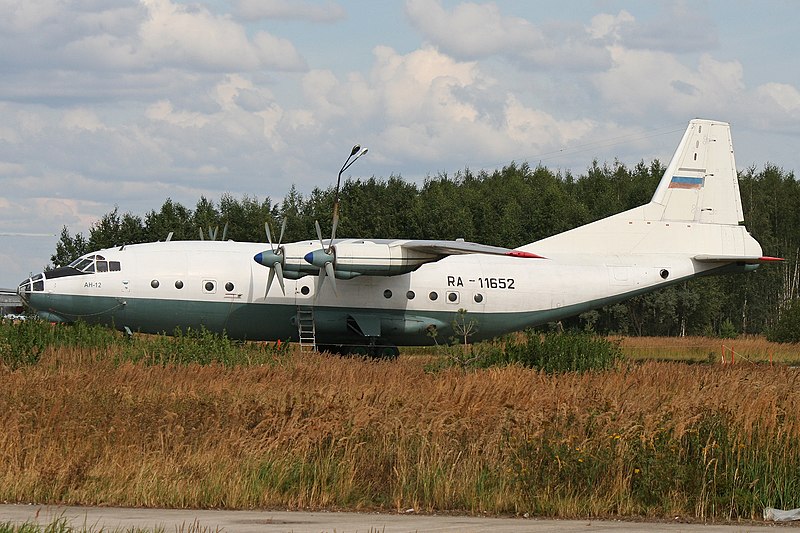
(747,348)
(326,432)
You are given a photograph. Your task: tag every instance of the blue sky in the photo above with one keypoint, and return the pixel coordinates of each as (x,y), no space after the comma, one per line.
(126,103)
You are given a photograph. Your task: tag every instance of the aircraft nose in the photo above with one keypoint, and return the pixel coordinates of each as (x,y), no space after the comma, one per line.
(24,289)
(29,286)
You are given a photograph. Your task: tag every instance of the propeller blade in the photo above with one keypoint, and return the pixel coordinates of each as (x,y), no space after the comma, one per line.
(329,271)
(278,269)
(201,233)
(333,233)
(319,234)
(269,236)
(321,282)
(283,229)
(225,232)
(269,281)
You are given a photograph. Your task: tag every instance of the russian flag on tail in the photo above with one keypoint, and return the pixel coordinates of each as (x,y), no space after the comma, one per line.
(684,182)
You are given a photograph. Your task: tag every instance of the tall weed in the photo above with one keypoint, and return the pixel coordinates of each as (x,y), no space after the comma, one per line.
(23,343)
(550,352)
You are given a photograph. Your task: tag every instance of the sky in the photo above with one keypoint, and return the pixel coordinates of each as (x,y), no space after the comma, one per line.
(126,103)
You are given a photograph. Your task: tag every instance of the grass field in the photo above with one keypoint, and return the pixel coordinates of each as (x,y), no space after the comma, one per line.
(80,425)
(747,349)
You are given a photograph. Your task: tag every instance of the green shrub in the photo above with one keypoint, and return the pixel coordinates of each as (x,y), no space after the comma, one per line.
(551,352)
(22,342)
(727,330)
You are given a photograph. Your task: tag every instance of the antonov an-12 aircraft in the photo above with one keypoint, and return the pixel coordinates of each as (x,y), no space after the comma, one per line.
(357,294)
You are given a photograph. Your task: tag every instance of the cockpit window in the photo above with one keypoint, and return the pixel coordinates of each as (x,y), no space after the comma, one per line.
(83,264)
(95,263)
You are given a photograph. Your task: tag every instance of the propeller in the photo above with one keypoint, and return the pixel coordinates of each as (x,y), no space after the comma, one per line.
(212,233)
(273,259)
(325,257)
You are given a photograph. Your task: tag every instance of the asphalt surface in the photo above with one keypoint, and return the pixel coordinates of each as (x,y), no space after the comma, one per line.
(207,521)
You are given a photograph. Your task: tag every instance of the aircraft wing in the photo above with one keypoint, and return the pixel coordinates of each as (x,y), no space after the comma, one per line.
(445,248)
(750,260)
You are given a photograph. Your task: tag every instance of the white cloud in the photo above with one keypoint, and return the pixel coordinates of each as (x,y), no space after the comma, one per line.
(10,169)
(82,119)
(290,9)
(421,85)
(785,96)
(177,34)
(21,15)
(425,104)
(609,27)
(476,31)
(163,110)
(472,30)
(535,127)
(679,27)
(148,35)
(643,82)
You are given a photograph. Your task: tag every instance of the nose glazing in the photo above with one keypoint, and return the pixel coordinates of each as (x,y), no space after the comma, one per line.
(30,285)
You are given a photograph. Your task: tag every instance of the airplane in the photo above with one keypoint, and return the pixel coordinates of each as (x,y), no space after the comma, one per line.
(385,293)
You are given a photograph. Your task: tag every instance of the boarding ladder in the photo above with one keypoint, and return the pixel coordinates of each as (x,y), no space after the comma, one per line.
(306,329)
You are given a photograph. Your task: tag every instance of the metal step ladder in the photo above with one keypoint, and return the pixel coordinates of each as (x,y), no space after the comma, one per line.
(306,329)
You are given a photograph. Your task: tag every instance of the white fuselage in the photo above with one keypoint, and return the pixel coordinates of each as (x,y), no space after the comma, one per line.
(160,286)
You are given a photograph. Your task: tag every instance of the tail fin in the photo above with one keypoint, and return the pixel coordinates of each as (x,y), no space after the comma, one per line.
(696,209)
(700,183)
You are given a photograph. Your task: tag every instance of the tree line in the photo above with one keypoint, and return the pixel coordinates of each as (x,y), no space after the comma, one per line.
(508,207)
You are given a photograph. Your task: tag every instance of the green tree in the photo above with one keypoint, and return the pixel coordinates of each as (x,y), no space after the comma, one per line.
(171,218)
(68,248)
(787,328)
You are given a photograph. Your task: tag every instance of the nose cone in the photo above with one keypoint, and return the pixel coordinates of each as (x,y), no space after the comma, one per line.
(268,258)
(318,258)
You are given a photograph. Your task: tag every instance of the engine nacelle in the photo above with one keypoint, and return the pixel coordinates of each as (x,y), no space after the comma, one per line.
(367,258)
